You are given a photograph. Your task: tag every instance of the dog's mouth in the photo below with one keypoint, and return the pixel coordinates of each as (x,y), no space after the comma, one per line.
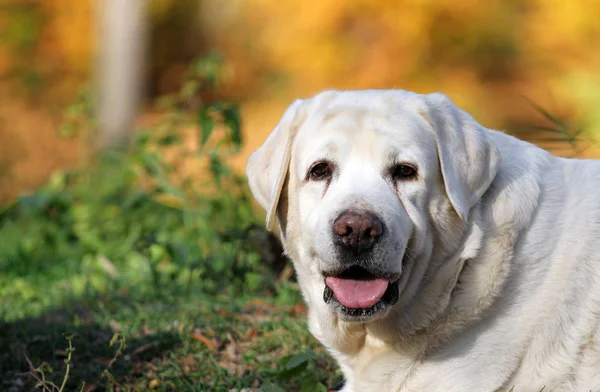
(359,293)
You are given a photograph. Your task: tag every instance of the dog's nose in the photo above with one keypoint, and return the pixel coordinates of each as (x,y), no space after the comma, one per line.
(357,230)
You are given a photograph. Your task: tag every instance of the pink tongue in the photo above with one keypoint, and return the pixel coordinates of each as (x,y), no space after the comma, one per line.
(357,294)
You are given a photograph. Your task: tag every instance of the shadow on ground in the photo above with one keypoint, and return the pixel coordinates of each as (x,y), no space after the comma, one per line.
(28,343)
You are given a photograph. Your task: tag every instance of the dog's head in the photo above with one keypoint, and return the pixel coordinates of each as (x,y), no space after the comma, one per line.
(361,182)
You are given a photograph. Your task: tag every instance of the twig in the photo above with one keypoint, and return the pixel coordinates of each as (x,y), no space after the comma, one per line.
(67,362)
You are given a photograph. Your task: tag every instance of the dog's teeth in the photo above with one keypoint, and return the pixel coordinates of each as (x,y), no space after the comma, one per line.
(327,294)
(392,295)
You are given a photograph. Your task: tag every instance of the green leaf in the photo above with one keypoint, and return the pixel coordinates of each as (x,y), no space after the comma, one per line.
(171,190)
(66,131)
(231,118)
(299,359)
(253,280)
(33,203)
(288,374)
(169,140)
(311,384)
(46,368)
(152,163)
(206,124)
(548,115)
(294,365)
(217,167)
(270,387)
(189,89)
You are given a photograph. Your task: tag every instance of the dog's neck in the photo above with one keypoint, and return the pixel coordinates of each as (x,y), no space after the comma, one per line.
(426,307)
(465,275)
(457,291)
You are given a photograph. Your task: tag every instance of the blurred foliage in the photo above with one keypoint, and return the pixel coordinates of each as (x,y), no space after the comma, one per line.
(134,228)
(485,55)
(129,220)
(584,89)
(472,50)
(46,45)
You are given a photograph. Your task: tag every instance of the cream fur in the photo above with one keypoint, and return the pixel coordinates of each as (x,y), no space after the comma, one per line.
(497,244)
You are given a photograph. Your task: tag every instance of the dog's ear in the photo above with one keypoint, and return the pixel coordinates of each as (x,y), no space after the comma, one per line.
(268,166)
(468,158)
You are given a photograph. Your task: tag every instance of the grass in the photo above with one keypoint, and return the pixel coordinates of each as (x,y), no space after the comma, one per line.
(202,343)
(133,273)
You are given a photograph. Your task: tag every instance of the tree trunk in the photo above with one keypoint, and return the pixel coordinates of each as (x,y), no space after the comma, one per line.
(120,69)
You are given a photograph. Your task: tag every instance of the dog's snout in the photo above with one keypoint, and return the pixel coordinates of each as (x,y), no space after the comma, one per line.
(357,230)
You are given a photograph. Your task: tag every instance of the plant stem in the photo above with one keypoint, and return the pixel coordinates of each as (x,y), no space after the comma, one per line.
(68,362)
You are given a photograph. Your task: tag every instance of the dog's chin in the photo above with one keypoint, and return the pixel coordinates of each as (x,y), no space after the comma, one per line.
(365,313)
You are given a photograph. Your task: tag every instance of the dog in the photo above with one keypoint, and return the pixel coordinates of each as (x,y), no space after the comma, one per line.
(435,254)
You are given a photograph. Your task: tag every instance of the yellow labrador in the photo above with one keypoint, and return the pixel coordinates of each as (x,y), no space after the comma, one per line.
(435,254)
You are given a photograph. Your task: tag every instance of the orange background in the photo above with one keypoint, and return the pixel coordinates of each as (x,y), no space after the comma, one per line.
(488,56)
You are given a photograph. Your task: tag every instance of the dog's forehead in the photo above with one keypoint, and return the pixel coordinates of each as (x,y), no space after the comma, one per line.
(353,125)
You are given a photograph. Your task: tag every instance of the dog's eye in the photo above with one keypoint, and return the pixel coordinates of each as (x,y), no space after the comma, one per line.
(320,171)
(403,172)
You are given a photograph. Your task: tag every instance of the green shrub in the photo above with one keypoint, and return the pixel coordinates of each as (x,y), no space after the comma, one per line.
(128,220)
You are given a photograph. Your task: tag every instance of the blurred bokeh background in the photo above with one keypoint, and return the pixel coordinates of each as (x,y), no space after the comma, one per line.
(493,58)
(153,253)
